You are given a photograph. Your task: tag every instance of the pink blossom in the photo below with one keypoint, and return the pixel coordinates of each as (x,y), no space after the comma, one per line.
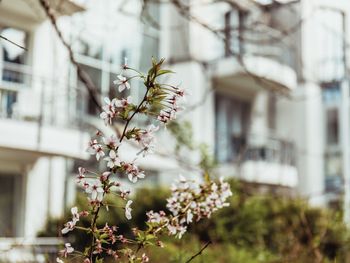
(96,191)
(112,142)
(133,172)
(123,103)
(122,83)
(95,148)
(109,111)
(81,174)
(112,159)
(67,249)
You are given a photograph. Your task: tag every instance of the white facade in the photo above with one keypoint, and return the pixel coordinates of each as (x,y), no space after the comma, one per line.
(270,115)
(270,102)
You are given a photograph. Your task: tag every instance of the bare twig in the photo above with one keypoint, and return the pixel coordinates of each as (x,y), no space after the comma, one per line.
(13,43)
(82,75)
(199,252)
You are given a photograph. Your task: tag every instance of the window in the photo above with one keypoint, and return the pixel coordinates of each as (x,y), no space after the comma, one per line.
(233,30)
(13,68)
(332,125)
(331,101)
(330,54)
(13,57)
(10,204)
(331,95)
(231,127)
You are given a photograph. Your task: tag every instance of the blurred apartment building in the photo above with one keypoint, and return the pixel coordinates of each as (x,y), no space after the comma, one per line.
(267,75)
(271,75)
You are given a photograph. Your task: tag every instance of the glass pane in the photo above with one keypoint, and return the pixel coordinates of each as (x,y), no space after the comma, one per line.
(87,105)
(231,128)
(13,56)
(332,126)
(7,204)
(330,54)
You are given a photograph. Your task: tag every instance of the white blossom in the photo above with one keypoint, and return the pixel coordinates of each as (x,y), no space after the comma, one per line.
(133,172)
(122,83)
(112,159)
(95,149)
(123,103)
(67,249)
(128,210)
(96,191)
(111,142)
(109,111)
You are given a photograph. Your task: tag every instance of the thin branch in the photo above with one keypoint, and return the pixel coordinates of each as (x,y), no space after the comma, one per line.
(199,252)
(13,43)
(82,75)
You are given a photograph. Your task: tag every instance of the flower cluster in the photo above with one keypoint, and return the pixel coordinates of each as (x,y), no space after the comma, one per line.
(188,202)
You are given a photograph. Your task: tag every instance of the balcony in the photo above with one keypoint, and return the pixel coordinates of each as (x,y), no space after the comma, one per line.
(29,249)
(272,162)
(253,61)
(35,117)
(269,161)
(32,12)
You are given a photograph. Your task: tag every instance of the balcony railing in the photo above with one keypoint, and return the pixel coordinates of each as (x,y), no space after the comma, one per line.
(260,148)
(273,150)
(13,78)
(30,97)
(259,44)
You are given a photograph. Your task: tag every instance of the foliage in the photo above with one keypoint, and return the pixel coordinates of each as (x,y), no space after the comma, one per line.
(254,228)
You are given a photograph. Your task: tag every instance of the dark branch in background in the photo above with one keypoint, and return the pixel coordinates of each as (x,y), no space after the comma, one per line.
(185,12)
(199,252)
(82,75)
(13,43)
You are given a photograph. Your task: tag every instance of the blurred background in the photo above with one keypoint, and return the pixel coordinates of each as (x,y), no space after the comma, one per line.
(268,109)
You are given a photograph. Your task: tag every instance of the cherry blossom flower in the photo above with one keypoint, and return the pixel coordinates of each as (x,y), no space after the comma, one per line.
(58,260)
(109,111)
(95,148)
(81,174)
(157,218)
(112,159)
(122,83)
(96,191)
(146,137)
(123,103)
(112,142)
(144,258)
(98,247)
(133,172)
(124,193)
(75,214)
(69,226)
(128,210)
(67,249)
(104,176)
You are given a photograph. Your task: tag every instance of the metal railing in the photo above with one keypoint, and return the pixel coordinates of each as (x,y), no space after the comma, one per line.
(13,78)
(260,148)
(26,96)
(259,44)
(273,150)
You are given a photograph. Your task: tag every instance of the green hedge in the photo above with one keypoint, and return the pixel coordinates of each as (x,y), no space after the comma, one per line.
(254,228)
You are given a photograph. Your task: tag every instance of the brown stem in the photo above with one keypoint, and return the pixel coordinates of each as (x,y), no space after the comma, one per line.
(82,75)
(13,43)
(93,222)
(199,252)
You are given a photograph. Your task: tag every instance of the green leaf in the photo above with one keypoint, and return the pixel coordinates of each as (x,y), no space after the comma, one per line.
(164,71)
